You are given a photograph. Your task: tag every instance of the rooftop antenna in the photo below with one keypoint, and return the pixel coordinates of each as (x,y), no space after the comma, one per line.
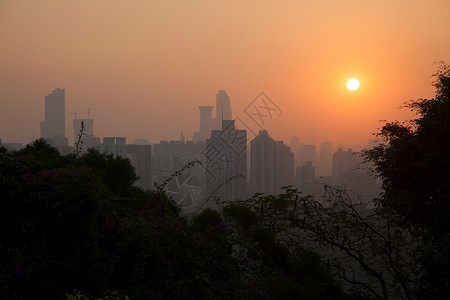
(76,113)
(89,110)
(85,109)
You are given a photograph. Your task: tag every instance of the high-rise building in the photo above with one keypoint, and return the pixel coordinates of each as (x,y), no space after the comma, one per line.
(271,164)
(285,174)
(343,162)
(205,122)
(171,156)
(325,159)
(115,146)
(305,177)
(309,154)
(223,109)
(140,157)
(225,157)
(88,139)
(303,152)
(262,164)
(53,128)
(88,128)
(350,172)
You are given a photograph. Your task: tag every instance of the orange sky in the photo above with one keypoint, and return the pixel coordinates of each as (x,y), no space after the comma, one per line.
(147,65)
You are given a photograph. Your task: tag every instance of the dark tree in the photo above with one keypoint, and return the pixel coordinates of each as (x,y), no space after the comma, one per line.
(414,165)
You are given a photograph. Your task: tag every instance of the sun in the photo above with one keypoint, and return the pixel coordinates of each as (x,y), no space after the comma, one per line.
(353,84)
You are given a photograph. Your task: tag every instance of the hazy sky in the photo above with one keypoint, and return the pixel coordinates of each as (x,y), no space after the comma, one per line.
(146,66)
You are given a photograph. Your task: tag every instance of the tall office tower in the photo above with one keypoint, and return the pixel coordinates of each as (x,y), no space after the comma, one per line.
(205,122)
(169,157)
(262,164)
(140,157)
(54,126)
(325,159)
(271,164)
(295,143)
(285,171)
(343,162)
(309,154)
(349,172)
(225,156)
(223,109)
(305,178)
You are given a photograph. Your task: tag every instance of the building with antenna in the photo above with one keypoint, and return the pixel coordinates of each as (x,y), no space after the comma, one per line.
(88,138)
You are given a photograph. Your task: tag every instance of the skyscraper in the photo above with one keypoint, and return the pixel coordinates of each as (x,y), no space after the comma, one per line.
(271,164)
(262,163)
(140,157)
(309,154)
(54,126)
(325,159)
(305,177)
(343,162)
(205,122)
(225,156)
(223,109)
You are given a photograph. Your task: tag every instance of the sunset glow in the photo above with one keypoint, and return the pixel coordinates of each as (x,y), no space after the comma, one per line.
(146,66)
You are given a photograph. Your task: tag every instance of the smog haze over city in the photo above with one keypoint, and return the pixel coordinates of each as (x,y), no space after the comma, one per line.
(239,149)
(146,66)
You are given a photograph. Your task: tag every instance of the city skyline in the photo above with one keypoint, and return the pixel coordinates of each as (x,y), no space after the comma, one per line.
(148,72)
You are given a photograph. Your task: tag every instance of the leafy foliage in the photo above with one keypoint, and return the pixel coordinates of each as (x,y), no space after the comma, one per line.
(76,227)
(365,249)
(414,164)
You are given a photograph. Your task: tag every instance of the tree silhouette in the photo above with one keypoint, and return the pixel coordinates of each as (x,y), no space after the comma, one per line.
(414,165)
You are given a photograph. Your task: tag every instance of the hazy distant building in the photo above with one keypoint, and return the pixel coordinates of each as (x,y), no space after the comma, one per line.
(262,164)
(205,121)
(140,157)
(305,177)
(223,110)
(295,142)
(350,173)
(115,146)
(324,167)
(53,129)
(141,142)
(285,174)
(88,128)
(309,154)
(11,146)
(169,157)
(298,149)
(182,137)
(343,162)
(88,139)
(271,165)
(225,156)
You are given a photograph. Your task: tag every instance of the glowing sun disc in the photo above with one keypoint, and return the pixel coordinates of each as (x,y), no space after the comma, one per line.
(353,84)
